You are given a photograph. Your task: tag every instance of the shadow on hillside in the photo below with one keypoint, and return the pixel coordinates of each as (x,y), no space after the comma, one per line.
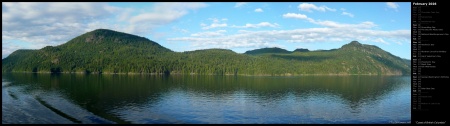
(303,58)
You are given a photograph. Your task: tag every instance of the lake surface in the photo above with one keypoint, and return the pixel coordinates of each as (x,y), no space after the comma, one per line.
(149,99)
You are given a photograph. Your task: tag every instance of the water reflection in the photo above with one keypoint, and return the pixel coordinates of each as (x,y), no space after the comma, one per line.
(221,99)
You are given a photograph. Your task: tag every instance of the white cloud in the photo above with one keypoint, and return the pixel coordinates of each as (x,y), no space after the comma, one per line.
(258,10)
(348,14)
(164,13)
(262,24)
(52,23)
(209,34)
(176,29)
(297,16)
(157,18)
(125,14)
(331,32)
(160,14)
(392,5)
(380,40)
(252,39)
(240,4)
(309,7)
(216,24)
(294,15)
(331,24)
(41,24)
(71,19)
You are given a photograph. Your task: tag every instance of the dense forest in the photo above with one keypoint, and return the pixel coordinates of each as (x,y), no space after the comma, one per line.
(107,51)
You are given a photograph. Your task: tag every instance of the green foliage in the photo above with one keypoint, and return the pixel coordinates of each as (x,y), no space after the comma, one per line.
(267,50)
(106,51)
(301,50)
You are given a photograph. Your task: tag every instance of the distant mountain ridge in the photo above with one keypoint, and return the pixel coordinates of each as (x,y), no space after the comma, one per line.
(301,50)
(267,50)
(108,51)
(273,50)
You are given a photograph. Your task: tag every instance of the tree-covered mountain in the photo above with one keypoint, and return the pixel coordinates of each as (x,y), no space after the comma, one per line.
(301,50)
(107,51)
(266,50)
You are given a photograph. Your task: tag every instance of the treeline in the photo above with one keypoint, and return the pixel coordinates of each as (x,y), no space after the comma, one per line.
(106,51)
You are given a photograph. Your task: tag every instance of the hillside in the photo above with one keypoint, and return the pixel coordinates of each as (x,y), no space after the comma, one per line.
(301,50)
(107,51)
(266,50)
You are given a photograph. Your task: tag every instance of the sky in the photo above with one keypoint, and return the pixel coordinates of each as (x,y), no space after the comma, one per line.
(239,26)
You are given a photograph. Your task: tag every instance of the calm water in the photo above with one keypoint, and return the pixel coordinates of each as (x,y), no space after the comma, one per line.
(142,99)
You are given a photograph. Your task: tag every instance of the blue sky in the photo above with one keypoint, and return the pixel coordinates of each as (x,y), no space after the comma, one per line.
(236,26)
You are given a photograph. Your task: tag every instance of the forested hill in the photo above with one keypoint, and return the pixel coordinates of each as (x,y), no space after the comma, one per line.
(107,51)
(267,50)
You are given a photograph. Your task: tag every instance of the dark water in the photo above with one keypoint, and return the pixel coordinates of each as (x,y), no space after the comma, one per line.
(142,99)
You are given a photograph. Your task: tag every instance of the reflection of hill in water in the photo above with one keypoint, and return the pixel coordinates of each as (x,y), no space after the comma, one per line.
(96,93)
(353,89)
(101,93)
(135,88)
